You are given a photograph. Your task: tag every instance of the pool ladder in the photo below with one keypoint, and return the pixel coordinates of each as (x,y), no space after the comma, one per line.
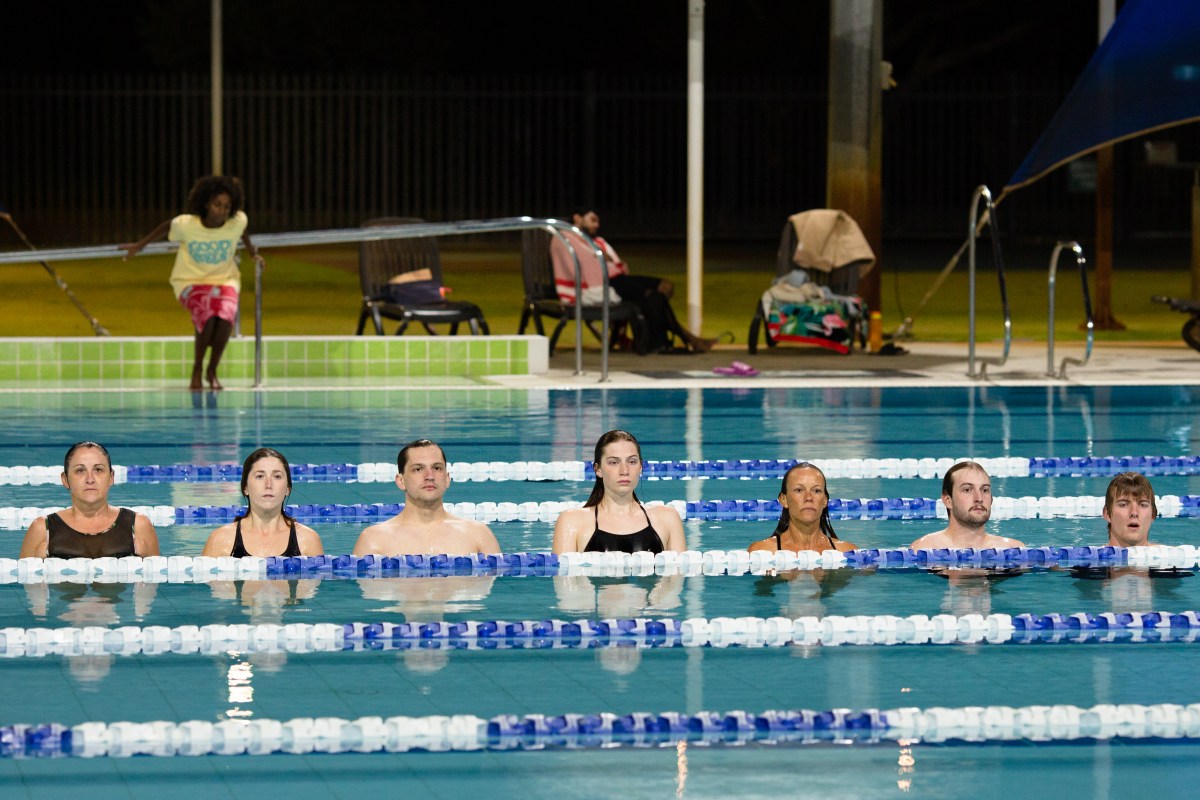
(1087,310)
(983,193)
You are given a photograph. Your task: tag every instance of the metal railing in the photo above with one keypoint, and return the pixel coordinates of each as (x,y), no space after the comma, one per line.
(1087,309)
(349,235)
(982,192)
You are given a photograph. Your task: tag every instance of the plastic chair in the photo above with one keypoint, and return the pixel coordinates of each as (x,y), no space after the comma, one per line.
(842,280)
(380,261)
(541,298)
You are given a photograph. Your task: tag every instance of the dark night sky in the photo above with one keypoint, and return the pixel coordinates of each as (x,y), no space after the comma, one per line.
(922,37)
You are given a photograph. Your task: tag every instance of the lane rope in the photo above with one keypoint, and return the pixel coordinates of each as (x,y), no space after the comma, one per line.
(768,510)
(748,469)
(642,633)
(305,735)
(205,569)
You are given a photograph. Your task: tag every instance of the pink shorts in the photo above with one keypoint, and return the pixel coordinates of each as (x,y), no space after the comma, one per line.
(205,302)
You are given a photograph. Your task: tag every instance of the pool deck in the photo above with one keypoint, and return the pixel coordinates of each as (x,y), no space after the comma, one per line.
(925,364)
(784,366)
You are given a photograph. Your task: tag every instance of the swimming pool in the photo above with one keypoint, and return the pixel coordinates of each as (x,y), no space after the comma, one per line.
(612,675)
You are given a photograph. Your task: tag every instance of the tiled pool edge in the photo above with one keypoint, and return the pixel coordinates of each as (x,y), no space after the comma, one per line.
(96,360)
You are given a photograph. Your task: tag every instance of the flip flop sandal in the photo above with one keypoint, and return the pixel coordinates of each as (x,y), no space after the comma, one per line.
(724,371)
(743,369)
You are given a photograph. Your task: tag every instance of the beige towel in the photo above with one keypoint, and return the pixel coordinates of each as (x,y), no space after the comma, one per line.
(827,239)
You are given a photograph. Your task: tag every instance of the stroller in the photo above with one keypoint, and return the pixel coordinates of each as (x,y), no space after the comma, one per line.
(1191,328)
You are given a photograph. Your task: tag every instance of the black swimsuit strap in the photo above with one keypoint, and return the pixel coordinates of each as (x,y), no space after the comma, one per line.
(645,513)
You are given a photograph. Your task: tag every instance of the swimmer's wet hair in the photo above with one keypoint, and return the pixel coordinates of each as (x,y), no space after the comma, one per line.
(402,456)
(784,520)
(1130,484)
(79,445)
(948,478)
(248,464)
(604,441)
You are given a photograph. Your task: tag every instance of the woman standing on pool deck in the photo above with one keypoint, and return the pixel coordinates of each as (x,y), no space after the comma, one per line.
(205,276)
(613,519)
(264,529)
(804,522)
(89,527)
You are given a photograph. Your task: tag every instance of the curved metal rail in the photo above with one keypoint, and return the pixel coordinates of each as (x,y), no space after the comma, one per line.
(349,235)
(1087,309)
(990,218)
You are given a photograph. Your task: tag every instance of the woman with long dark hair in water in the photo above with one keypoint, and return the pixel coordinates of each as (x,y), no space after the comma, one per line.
(613,519)
(804,520)
(264,529)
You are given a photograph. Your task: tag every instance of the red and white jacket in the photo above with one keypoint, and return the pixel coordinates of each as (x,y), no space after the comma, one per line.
(591,278)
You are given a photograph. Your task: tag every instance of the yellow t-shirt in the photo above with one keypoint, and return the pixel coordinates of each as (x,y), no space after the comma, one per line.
(205,255)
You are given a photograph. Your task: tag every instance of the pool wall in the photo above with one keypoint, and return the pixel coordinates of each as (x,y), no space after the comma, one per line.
(284,357)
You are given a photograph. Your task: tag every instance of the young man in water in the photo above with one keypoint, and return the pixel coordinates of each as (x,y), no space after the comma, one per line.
(1129,508)
(967,495)
(424,525)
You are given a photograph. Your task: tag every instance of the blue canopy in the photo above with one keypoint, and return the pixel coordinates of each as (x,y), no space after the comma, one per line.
(1144,76)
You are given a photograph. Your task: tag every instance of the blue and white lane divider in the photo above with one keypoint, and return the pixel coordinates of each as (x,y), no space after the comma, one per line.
(748,469)
(643,633)
(305,735)
(204,569)
(867,509)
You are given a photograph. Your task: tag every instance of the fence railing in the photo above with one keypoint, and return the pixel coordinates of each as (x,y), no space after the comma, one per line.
(102,158)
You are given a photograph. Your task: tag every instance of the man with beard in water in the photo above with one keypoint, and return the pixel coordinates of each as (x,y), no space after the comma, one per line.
(967,495)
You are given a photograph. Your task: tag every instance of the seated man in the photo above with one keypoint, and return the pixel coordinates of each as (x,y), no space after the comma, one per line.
(967,495)
(651,294)
(1129,508)
(424,525)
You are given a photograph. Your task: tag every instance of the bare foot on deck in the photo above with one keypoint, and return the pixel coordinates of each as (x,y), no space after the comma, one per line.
(214,383)
(196,385)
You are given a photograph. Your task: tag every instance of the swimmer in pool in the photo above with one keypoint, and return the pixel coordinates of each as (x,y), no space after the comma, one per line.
(424,525)
(1129,509)
(804,521)
(89,527)
(967,495)
(264,529)
(613,519)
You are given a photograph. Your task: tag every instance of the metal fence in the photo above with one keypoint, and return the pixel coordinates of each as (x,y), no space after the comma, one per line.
(103,158)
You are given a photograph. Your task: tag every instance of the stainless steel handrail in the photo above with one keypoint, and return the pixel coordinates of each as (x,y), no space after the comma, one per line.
(373,234)
(990,218)
(1087,309)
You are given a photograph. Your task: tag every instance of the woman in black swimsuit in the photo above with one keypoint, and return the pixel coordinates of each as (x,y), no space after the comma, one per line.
(804,521)
(613,519)
(89,527)
(264,529)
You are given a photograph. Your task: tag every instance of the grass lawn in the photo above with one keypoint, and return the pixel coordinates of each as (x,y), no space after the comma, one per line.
(315,290)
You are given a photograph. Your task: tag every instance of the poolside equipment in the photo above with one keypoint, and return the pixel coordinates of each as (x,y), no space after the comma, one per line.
(402,280)
(822,254)
(1191,328)
(99,329)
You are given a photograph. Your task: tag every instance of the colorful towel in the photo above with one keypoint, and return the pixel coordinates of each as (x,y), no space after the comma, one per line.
(819,318)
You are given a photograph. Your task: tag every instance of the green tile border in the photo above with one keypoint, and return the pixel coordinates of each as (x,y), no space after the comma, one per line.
(169,359)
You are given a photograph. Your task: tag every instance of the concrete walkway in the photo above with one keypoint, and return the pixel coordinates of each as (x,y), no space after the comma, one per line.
(925,364)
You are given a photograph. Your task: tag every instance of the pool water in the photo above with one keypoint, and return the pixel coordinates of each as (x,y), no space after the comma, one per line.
(515,425)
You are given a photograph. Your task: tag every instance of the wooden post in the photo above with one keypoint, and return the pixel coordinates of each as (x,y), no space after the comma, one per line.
(855,138)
